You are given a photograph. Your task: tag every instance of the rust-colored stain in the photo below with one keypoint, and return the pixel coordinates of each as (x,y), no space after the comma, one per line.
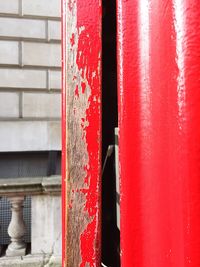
(83,137)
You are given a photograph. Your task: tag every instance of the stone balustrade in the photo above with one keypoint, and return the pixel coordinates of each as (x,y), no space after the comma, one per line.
(45,221)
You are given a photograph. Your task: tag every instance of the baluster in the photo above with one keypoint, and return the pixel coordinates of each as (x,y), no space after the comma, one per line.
(17,228)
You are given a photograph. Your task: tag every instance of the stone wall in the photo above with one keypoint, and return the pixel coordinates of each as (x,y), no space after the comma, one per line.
(30,75)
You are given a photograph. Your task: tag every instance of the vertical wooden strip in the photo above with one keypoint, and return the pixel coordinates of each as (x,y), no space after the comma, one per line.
(82,140)
(159,132)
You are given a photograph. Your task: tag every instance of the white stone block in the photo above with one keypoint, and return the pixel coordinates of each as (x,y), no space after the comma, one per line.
(21,78)
(54,135)
(9,7)
(54,30)
(55,79)
(41,105)
(9,52)
(22,28)
(9,105)
(30,136)
(46,225)
(41,54)
(44,8)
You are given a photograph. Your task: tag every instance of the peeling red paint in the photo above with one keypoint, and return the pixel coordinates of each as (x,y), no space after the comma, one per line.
(88,255)
(72,39)
(89,44)
(76,91)
(85,70)
(83,86)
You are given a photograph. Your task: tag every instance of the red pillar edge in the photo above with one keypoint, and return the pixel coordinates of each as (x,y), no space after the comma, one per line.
(159,132)
(81,132)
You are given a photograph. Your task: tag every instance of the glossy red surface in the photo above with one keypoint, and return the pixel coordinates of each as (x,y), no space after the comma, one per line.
(159,142)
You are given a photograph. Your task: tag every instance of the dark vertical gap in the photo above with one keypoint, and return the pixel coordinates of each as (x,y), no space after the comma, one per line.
(110,232)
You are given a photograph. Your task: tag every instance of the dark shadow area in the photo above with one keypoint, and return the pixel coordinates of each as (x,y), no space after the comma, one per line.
(30,164)
(110,232)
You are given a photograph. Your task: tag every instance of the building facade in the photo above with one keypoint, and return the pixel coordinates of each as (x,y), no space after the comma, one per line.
(30,129)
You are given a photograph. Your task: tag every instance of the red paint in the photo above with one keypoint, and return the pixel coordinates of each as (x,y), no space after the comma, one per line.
(89,44)
(76,91)
(83,85)
(72,40)
(159,140)
(90,257)
(88,63)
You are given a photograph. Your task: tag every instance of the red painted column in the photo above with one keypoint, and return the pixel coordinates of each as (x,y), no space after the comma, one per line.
(159,132)
(81,132)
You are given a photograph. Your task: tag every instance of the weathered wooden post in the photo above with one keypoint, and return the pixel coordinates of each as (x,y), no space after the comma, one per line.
(159,132)
(81,149)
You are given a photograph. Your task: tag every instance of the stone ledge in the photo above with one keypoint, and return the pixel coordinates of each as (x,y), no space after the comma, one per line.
(31,261)
(30,186)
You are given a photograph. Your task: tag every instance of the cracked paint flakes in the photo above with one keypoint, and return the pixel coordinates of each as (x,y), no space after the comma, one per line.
(90,46)
(84,83)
